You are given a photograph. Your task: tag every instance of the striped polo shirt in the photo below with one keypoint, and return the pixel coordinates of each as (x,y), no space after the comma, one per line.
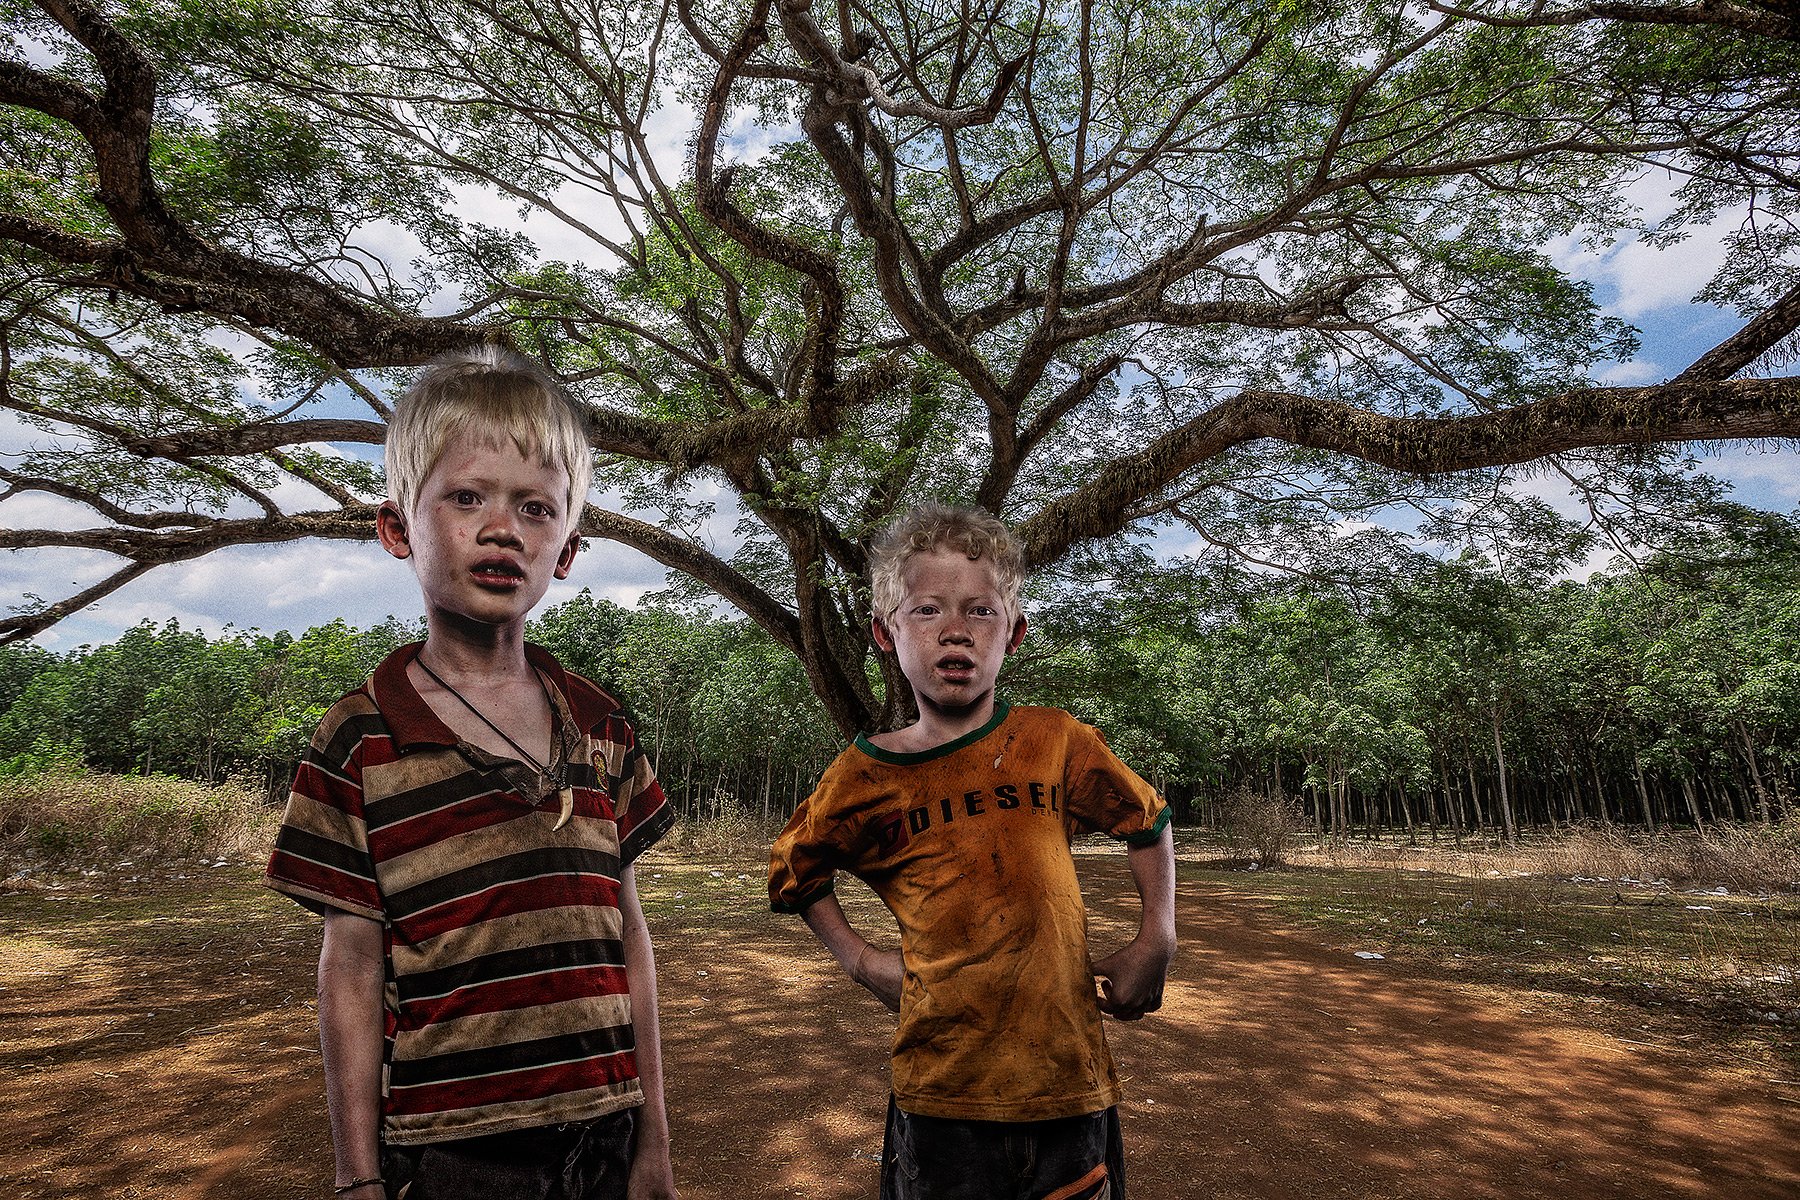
(506,1004)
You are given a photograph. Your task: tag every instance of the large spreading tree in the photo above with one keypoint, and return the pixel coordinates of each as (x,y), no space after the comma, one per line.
(1090,263)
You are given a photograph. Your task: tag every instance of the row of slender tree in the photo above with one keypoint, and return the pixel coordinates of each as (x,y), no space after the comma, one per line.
(1449,699)
(1455,701)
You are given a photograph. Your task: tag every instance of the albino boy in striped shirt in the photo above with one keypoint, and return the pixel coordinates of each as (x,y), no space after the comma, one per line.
(466,822)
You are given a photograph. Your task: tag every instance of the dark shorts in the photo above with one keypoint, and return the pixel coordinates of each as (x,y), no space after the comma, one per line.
(1072,1158)
(584,1160)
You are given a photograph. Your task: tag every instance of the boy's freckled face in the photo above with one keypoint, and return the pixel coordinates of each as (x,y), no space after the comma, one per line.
(487,532)
(952,630)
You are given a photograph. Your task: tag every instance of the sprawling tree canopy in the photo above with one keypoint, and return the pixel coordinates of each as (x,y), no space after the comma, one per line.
(1090,263)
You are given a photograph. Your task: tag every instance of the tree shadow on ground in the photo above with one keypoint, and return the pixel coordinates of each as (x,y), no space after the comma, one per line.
(149,1055)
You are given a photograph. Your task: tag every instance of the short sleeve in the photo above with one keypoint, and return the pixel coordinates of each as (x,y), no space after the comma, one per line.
(805,859)
(641,810)
(1106,796)
(321,857)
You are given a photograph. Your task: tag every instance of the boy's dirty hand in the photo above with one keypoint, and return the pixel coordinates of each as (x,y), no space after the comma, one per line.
(1131,980)
(880,971)
(652,1178)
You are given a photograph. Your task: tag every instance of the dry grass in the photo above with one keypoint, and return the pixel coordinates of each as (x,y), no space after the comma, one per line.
(1748,858)
(70,820)
(1672,928)
(1741,858)
(735,834)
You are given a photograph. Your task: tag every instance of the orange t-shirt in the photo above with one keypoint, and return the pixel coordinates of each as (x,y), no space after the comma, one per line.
(968,845)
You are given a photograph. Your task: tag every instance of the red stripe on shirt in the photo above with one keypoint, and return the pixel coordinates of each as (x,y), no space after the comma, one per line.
(326,881)
(511,898)
(316,782)
(513,1086)
(474,813)
(542,987)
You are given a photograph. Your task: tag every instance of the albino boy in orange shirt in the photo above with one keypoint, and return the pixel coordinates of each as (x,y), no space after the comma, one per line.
(961,822)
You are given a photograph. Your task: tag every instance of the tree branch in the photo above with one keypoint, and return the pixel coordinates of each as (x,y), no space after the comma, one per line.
(1759,21)
(147,549)
(17,484)
(160,259)
(1670,412)
(679,554)
(1748,344)
(18,628)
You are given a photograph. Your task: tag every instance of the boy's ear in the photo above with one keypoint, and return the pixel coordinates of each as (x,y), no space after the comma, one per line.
(1018,634)
(390,528)
(565,558)
(881,635)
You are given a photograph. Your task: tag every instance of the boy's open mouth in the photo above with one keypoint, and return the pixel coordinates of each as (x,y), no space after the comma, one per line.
(498,572)
(955,665)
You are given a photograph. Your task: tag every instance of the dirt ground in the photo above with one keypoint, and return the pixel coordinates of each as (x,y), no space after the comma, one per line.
(178,1059)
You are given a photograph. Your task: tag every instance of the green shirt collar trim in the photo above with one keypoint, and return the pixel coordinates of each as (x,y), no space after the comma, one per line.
(1001,708)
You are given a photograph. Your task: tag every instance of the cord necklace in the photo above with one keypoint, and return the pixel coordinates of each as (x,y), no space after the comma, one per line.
(557,771)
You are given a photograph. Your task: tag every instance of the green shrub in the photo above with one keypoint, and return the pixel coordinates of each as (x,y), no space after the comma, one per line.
(46,756)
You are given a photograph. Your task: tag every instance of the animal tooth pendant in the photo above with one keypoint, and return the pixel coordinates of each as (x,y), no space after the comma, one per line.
(567,796)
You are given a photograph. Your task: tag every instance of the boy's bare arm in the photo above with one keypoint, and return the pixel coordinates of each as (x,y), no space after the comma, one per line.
(878,970)
(351,978)
(652,1175)
(1131,980)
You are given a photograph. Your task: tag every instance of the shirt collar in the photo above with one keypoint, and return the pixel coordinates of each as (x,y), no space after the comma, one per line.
(412,723)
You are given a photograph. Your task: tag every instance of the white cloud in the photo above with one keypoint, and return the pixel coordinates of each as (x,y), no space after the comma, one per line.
(1600,558)
(293,586)
(559,240)
(1653,194)
(1630,374)
(1647,278)
(16,435)
(39,53)
(1545,484)
(1760,476)
(1636,278)
(40,510)
(747,140)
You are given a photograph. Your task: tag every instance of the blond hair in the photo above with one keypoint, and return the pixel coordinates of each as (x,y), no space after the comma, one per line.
(931,526)
(494,396)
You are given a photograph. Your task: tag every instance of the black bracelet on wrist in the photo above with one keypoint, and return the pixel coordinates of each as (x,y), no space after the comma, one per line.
(357,1183)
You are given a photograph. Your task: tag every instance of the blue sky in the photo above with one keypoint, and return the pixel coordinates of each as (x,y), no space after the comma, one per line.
(299,585)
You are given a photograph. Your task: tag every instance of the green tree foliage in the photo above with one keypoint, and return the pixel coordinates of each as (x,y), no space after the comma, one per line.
(1459,694)
(722,709)
(1248,269)
(173,700)
(1455,697)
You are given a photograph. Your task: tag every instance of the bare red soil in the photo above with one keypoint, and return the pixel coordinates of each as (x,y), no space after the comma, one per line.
(1278,1067)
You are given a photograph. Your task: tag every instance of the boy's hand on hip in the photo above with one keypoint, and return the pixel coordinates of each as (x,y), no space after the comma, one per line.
(880,971)
(1131,980)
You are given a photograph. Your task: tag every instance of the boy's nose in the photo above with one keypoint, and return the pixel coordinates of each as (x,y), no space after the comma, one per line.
(501,530)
